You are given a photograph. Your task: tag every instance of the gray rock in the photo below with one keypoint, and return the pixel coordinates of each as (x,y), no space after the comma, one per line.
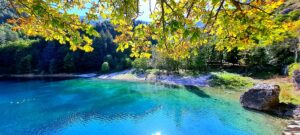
(296,79)
(296,113)
(293,127)
(265,97)
(262,97)
(286,11)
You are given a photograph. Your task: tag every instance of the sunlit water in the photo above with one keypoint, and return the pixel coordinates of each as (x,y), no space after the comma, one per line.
(93,106)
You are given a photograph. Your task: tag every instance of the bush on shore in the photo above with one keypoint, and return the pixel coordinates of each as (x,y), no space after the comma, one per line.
(288,94)
(141,64)
(105,67)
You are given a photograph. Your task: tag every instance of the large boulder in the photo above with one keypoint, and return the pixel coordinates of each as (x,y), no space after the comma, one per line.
(263,97)
(296,79)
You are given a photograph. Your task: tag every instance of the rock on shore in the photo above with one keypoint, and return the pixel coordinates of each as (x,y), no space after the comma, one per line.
(296,79)
(262,97)
(265,97)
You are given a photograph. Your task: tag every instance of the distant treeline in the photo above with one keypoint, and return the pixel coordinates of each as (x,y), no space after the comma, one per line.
(21,54)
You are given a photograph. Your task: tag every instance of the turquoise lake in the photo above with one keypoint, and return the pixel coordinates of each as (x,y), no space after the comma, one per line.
(106,107)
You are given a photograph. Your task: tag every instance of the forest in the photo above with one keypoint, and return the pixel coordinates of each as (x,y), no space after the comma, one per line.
(21,54)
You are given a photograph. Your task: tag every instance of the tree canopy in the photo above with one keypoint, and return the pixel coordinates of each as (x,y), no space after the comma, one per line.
(178,27)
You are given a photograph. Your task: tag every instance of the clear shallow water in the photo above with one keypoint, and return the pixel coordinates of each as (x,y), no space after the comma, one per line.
(92,106)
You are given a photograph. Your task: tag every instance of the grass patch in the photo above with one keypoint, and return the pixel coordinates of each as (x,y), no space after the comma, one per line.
(230,80)
(288,94)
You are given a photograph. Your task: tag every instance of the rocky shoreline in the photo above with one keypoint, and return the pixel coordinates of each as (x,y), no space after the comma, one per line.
(293,128)
(262,97)
(197,81)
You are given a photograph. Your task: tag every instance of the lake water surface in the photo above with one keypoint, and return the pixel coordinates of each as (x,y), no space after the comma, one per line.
(93,106)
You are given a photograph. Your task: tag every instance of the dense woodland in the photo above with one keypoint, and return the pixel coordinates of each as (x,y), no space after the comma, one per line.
(21,54)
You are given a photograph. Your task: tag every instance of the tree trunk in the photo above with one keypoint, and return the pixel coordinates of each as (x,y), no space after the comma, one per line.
(296,50)
(296,55)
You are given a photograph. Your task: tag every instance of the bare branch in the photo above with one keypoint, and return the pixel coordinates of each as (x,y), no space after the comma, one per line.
(218,11)
(150,6)
(169,6)
(163,21)
(252,6)
(190,9)
(13,6)
(210,16)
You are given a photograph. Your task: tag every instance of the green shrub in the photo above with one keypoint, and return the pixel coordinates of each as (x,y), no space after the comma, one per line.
(105,67)
(128,62)
(230,80)
(292,68)
(140,64)
(288,94)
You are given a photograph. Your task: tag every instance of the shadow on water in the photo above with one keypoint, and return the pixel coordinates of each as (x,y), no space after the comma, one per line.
(196,90)
(280,111)
(193,89)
